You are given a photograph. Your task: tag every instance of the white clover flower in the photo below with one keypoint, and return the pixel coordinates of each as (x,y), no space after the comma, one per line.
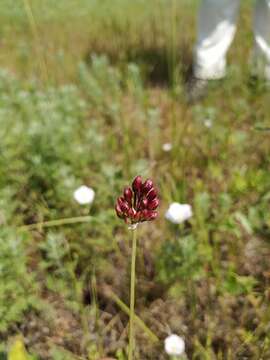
(167,147)
(84,195)
(178,213)
(174,345)
(208,123)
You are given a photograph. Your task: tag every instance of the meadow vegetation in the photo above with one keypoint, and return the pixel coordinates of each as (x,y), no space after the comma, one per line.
(89,93)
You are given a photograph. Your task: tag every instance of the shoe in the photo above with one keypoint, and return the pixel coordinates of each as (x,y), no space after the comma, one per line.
(258,84)
(196,89)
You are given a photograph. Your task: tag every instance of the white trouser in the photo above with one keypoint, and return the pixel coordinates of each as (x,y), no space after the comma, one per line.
(216,29)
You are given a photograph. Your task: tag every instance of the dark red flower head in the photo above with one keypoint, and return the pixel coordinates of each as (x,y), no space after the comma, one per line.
(139,203)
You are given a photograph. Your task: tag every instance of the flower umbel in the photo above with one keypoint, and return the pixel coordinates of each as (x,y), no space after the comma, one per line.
(84,195)
(174,345)
(178,213)
(138,203)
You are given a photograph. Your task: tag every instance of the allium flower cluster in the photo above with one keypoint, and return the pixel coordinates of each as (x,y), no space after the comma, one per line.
(138,203)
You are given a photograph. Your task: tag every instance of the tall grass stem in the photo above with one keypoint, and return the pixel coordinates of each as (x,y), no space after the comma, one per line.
(34,29)
(57,222)
(138,320)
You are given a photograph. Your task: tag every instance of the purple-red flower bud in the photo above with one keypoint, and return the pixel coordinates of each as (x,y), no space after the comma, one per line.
(148,215)
(123,204)
(144,214)
(147,186)
(119,212)
(128,195)
(138,217)
(144,203)
(152,194)
(132,213)
(152,205)
(137,184)
(152,215)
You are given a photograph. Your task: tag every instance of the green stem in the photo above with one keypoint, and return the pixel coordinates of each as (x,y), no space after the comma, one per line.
(172,55)
(58,222)
(137,320)
(34,29)
(132,295)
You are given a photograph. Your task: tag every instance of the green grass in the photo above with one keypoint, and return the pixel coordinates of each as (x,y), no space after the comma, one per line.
(70,117)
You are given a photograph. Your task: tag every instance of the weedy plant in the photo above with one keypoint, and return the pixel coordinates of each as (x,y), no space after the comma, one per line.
(138,204)
(18,288)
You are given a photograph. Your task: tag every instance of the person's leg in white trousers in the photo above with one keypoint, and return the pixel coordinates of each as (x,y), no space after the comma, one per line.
(262,37)
(216,29)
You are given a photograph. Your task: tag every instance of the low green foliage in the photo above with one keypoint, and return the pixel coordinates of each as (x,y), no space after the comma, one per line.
(17,285)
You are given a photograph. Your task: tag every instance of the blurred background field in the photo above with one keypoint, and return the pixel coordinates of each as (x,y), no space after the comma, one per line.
(89,93)
(64,33)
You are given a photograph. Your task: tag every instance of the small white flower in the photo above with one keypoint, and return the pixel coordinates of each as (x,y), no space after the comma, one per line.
(208,123)
(178,213)
(174,345)
(84,195)
(167,147)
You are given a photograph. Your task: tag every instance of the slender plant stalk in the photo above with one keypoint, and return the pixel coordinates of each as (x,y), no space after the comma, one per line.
(172,50)
(58,222)
(34,29)
(132,295)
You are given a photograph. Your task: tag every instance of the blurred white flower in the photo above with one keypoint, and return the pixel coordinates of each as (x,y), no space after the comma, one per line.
(178,213)
(167,147)
(208,123)
(84,195)
(174,345)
